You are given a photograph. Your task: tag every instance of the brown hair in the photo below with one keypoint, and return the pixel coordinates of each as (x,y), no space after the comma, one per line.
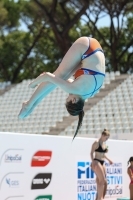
(76,109)
(131,159)
(106,132)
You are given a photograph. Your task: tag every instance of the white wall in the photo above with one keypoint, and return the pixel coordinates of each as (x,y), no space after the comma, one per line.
(62,159)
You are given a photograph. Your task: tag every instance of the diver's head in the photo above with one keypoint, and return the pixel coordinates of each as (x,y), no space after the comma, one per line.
(74,105)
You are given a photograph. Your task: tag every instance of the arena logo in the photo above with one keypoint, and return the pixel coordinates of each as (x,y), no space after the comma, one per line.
(86,184)
(46,197)
(41,181)
(13,158)
(41,158)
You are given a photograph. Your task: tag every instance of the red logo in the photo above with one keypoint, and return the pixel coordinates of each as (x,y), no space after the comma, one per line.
(41,158)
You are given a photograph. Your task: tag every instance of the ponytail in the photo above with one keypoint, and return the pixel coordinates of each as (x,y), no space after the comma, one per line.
(75,109)
(81,115)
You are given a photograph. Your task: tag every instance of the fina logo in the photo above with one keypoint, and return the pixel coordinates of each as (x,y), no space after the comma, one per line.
(86,183)
(12,183)
(10,159)
(85,170)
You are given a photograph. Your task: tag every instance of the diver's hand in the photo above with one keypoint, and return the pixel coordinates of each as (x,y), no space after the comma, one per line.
(41,78)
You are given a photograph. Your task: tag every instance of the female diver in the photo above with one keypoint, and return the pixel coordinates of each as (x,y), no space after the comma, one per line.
(130,173)
(97,164)
(85,60)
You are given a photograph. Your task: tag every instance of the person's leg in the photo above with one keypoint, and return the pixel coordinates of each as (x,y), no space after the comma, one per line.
(131,191)
(97,187)
(101,180)
(68,66)
(28,106)
(105,185)
(72,59)
(104,189)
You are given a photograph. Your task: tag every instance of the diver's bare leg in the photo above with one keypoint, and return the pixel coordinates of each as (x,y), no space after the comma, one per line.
(68,66)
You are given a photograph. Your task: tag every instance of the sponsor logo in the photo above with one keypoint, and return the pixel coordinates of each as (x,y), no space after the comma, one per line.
(41,158)
(114,191)
(41,181)
(13,158)
(12,180)
(114,179)
(12,183)
(85,170)
(46,197)
(86,183)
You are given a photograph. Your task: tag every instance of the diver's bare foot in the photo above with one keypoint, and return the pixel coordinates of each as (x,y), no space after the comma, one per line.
(25,108)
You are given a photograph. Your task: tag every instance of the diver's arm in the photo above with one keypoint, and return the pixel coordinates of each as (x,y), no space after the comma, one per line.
(69,87)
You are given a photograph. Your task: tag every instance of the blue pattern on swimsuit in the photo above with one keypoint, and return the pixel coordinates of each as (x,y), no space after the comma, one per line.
(85,56)
(86,71)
